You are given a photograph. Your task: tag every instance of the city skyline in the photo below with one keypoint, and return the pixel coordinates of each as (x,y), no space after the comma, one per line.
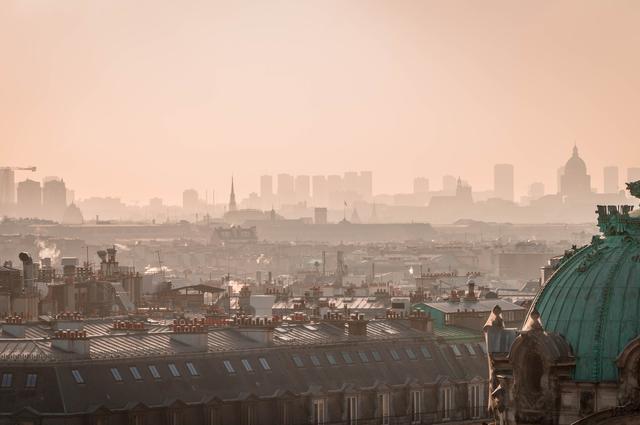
(208,101)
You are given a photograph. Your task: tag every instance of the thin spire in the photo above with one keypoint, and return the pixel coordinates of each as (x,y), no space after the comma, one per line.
(232,197)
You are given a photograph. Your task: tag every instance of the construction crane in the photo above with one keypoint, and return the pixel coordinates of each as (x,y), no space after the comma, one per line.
(19,168)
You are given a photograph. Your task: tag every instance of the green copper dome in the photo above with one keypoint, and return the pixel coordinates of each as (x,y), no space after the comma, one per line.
(593,298)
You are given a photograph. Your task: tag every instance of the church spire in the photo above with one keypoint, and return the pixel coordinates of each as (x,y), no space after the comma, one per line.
(232,198)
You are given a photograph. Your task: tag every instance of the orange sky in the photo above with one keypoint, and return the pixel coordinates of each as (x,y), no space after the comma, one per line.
(148,97)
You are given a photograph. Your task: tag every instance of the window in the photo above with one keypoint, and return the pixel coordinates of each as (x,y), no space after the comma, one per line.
(475,400)
(297,360)
(154,371)
(76,376)
(7,378)
(363,356)
(425,352)
(318,412)
(192,369)
(347,357)
(376,356)
(174,370)
(456,350)
(383,409)
(135,373)
(483,348)
(247,365)
(264,363)
(446,402)
(32,380)
(116,374)
(410,353)
(394,354)
(228,366)
(315,360)
(470,349)
(416,406)
(331,359)
(352,410)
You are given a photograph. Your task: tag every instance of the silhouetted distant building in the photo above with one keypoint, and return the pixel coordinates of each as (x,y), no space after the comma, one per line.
(7,186)
(575,182)
(266,191)
(611,178)
(536,190)
(320,190)
(72,215)
(286,191)
(302,188)
(503,181)
(420,185)
(365,184)
(320,216)
(54,198)
(633,174)
(448,185)
(29,198)
(190,199)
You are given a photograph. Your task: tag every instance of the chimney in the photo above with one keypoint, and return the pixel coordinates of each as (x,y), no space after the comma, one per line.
(471,293)
(14,326)
(27,270)
(421,321)
(357,325)
(68,321)
(69,265)
(190,332)
(259,329)
(72,341)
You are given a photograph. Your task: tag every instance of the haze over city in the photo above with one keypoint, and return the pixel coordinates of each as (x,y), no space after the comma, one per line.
(144,99)
(319,212)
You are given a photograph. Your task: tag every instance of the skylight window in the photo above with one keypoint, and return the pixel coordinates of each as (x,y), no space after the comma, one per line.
(470,349)
(154,371)
(394,354)
(331,359)
(410,353)
(228,366)
(297,360)
(347,357)
(363,357)
(456,350)
(116,374)
(135,373)
(315,360)
(76,376)
(376,356)
(174,370)
(247,365)
(425,352)
(192,369)
(263,362)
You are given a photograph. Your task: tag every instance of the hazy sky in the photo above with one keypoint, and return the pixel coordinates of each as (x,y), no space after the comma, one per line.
(145,98)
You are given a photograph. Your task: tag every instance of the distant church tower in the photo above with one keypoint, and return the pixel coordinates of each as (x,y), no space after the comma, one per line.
(232,199)
(575,182)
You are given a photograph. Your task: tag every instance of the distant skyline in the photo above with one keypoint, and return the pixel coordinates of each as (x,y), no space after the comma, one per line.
(148,98)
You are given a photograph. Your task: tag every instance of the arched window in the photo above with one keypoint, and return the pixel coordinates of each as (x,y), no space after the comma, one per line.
(533,370)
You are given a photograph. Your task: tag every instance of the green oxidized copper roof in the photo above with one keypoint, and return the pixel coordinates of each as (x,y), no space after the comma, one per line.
(593,298)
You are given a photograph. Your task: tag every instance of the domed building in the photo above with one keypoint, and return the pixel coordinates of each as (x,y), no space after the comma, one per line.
(577,357)
(575,182)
